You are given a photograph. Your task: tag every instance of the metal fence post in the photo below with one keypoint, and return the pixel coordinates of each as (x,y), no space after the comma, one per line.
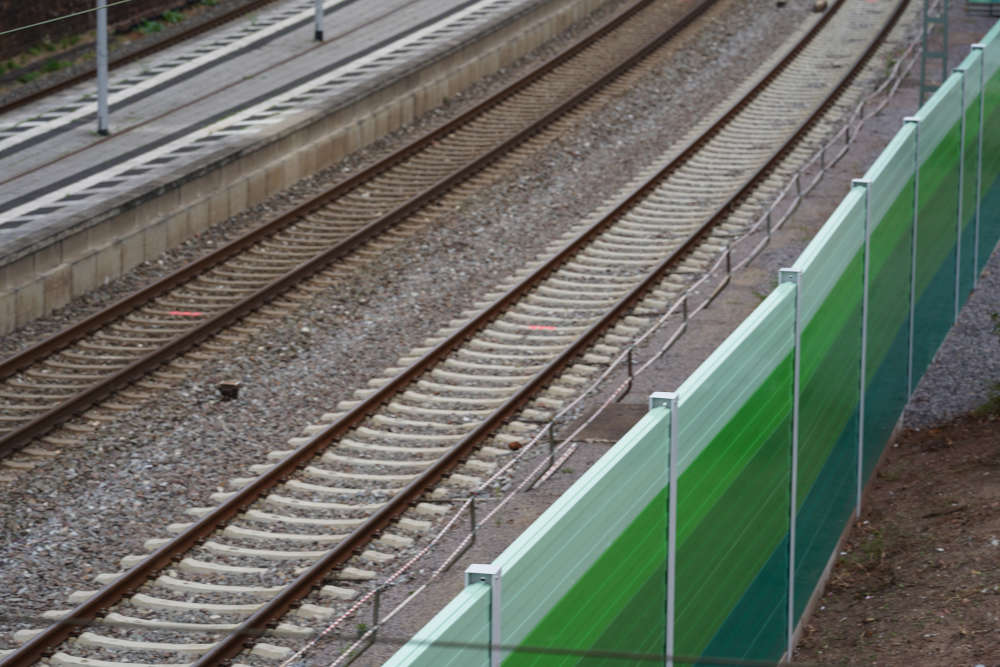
(102,67)
(866,184)
(318,35)
(794,276)
(979,159)
(669,400)
(961,195)
(913,250)
(489,575)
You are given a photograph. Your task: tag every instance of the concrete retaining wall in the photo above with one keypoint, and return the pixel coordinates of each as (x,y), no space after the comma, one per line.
(49,272)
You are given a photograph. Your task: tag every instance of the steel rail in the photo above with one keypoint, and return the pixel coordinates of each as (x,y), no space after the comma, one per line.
(87,398)
(231,645)
(160,45)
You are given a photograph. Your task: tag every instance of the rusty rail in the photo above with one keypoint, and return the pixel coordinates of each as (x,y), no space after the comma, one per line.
(97,392)
(233,643)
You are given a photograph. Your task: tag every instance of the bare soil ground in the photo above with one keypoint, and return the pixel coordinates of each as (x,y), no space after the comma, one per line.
(918,579)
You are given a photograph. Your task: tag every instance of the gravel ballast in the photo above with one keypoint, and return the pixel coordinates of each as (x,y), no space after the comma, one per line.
(77,515)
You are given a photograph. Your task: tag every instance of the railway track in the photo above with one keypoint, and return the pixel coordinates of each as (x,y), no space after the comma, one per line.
(311,516)
(69,373)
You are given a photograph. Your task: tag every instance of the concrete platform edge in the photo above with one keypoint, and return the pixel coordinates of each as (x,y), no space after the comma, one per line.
(102,244)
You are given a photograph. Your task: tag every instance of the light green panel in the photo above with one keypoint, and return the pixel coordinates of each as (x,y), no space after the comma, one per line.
(991,50)
(890,172)
(716,391)
(972,65)
(831,251)
(939,115)
(458,635)
(541,566)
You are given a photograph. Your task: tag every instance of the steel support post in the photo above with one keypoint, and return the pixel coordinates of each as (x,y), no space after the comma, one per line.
(794,276)
(961,194)
(913,251)
(669,400)
(979,159)
(319,21)
(864,342)
(489,575)
(102,67)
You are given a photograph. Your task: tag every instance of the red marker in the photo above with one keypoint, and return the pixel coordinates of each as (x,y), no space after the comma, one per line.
(543,327)
(186,313)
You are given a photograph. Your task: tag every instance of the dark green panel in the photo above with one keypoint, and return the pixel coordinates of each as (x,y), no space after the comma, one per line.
(727,531)
(970,162)
(626,583)
(764,607)
(989,219)
(937,238)
(831,374)
(826,509)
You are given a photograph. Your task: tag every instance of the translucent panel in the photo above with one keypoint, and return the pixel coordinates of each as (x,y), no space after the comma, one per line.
(712,395)
(939,115)
(892,172)
(733,500)
(972,66)
(458,635)
(989,213)
(830,252)
(888,324)
(594,562)
(991,52)
(937,234)
(972,69)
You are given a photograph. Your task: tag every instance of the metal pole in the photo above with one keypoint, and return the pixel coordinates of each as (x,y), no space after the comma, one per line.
(319,21)
(979,160)
(794,276)
(913,250)
(961,195)
(102,67)
(864,343)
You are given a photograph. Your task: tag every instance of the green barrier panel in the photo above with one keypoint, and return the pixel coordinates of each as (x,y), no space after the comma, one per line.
(939,141)
(989,218)
(887,345)
(831,338)
(594,560)
(458,635)
(829,389)
(733,501)
(835,246)
(971,69)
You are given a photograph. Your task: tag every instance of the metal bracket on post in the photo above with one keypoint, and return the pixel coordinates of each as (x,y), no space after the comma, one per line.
(669,400)
(866,184)
(491,576)
(318,34)
(102,68)
(793,276)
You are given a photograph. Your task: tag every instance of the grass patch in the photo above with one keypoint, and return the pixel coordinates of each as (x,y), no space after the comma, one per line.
(54,65)
(171,16)
(147,27)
